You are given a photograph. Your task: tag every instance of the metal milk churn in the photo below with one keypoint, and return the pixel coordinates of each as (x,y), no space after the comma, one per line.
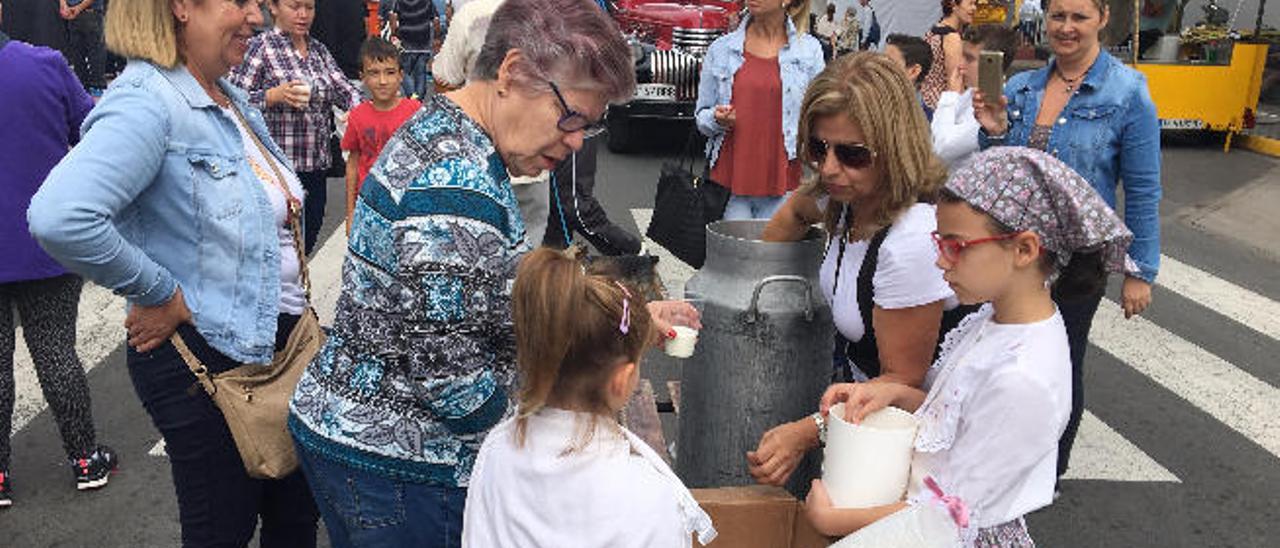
(763,356)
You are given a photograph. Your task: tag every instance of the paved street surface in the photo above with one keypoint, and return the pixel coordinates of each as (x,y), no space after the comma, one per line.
(1180,445)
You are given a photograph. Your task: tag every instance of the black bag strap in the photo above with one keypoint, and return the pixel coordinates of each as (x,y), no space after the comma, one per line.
(864,352)
(689,153)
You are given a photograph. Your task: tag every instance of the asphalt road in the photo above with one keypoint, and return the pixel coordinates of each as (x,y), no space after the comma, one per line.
(1181,446)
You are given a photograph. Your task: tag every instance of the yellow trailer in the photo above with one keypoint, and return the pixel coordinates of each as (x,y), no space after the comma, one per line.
(1210,97)
(1215,93)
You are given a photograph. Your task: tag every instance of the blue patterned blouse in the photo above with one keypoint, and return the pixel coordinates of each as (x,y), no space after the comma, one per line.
(421,360)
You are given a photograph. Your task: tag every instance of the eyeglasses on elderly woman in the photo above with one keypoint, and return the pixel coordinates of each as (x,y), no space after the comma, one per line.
(573,120)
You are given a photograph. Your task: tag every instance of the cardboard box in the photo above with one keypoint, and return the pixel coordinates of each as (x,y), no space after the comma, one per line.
(758,517)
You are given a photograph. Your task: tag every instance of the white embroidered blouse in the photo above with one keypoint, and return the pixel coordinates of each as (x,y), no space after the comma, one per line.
(999,398)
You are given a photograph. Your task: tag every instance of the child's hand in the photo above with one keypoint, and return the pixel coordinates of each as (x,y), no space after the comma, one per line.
(860,399)
(819,509)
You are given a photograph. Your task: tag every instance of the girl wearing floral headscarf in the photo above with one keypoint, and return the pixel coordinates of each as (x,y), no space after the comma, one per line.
(1012,224)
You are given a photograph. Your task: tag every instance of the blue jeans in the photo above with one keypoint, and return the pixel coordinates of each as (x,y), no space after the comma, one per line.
(742,208)
(417,73)
(219,505)
(365,509)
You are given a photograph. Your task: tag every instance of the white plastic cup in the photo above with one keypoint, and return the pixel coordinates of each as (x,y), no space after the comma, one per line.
(868,464)
(305,89)
(684,344)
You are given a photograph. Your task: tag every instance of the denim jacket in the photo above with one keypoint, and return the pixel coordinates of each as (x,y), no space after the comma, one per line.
(1110,134)
(799,60)
(159,195)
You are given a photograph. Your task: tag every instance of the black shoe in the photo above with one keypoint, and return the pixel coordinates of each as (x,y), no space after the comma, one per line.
(6,500)
(94,470)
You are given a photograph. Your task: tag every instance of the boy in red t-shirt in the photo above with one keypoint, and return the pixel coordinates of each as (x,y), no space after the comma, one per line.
(372,123)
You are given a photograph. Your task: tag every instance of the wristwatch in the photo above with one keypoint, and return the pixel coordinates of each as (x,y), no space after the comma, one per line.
(821,421)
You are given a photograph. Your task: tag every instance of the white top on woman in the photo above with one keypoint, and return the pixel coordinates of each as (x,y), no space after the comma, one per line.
(613,492)
(293,297)
(905,276)
(999,397)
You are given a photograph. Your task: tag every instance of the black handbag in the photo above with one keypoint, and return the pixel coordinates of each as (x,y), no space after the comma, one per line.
(682,207)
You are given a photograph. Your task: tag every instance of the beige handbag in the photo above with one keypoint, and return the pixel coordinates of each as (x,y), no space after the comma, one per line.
(254,398)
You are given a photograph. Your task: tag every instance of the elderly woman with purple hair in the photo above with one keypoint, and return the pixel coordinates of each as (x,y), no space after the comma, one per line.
(420,363)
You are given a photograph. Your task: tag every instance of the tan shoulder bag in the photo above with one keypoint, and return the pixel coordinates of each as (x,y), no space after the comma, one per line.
(254,398)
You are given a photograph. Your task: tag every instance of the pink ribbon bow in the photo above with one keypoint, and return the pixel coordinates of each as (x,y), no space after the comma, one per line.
(959,511)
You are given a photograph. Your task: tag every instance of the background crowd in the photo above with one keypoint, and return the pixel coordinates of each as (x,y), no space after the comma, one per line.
(196,187)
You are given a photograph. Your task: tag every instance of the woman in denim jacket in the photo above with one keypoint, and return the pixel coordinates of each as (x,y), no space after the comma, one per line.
(168,201)
(1096,115)
(753,80)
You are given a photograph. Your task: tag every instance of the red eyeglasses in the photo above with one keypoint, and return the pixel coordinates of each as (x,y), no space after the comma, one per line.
(950,249)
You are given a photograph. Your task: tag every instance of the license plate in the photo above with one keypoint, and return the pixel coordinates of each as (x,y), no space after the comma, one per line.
(1181,124)
(656,92)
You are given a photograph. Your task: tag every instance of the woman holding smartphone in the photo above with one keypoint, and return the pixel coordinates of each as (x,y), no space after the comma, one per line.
(1095,114)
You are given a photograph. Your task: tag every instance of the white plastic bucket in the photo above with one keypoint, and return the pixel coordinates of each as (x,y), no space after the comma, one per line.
(868,464)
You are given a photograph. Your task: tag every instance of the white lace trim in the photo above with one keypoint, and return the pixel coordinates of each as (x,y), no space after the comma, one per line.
(940,413)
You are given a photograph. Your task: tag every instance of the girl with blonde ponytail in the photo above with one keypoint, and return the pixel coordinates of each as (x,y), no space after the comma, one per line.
(563,471)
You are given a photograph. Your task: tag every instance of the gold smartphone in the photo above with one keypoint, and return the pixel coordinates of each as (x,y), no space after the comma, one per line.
(991,74)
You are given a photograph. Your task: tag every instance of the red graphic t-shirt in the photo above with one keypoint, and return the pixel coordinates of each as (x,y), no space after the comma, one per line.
(368,129)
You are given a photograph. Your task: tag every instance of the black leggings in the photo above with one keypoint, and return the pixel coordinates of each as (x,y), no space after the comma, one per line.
(48,309)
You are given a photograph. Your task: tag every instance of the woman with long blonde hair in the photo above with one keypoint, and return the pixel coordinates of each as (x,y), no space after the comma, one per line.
(874,180)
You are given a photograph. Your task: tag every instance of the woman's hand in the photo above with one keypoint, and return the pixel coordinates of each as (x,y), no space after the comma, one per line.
(859,399)
(289,93)
(668,314)
(1136,296)
(992,116)
(150,326)
(726,116)
(780,451)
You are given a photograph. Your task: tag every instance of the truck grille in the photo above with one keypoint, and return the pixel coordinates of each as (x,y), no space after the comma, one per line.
(695,41)
(680,69)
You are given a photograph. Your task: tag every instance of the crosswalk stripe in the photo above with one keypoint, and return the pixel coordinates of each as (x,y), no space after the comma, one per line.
(326,274)
(1242,305)
(1101,454)
(158,450)
(1232,396)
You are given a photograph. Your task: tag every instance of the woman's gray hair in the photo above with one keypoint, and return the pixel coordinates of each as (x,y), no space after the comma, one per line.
(572,41)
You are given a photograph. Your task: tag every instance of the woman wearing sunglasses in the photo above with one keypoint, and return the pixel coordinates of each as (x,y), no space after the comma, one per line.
(749,94)
(867,141)
(420,363)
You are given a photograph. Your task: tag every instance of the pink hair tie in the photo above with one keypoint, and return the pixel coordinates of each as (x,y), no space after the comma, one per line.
(624,325)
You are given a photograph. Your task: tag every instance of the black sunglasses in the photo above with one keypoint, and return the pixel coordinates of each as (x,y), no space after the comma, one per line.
(851,155)
(573,120)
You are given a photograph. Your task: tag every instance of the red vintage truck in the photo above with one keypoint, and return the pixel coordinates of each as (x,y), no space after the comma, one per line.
(668,39)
